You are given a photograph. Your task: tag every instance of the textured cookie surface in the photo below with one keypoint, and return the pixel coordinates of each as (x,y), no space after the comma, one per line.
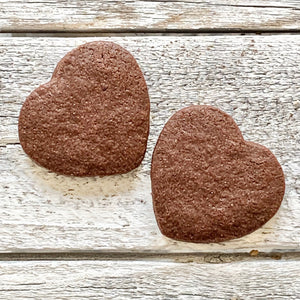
(92,118)
(208,183)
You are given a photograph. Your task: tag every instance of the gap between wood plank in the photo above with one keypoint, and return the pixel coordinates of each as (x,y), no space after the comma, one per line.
(138,32)
(135,34)
(214,258)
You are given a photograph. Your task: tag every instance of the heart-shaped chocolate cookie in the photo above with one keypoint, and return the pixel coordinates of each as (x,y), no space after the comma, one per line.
(92,118)
(208,183)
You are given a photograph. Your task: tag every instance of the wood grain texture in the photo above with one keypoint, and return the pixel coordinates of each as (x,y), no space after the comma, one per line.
(254,79)
(149,280)
(112,16)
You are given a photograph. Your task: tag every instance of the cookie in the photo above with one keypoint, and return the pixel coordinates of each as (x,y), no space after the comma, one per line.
(92,118)
(208,183)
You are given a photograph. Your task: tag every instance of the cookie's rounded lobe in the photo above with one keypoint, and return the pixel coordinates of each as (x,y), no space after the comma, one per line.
(208,183)
(92,118)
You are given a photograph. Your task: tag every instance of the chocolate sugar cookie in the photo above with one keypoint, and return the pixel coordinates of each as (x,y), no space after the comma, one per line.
(92,118)
(208,183)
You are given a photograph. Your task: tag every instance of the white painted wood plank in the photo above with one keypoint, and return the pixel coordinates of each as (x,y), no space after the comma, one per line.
(149,280)
(108,15)
(254,79)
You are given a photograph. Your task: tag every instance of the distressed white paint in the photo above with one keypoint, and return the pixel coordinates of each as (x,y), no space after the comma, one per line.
(254,79)
(268,280)
(108,15)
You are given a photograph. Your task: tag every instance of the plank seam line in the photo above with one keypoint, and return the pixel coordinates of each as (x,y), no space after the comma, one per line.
(149,256)
(137,32)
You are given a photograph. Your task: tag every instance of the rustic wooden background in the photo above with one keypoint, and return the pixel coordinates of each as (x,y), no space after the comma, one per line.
(96,238)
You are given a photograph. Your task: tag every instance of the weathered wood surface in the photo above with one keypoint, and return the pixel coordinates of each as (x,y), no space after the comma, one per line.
(149,280)
(254,79)
(108,15)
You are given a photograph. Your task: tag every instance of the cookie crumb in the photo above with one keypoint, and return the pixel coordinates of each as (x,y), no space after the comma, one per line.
(254,253)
